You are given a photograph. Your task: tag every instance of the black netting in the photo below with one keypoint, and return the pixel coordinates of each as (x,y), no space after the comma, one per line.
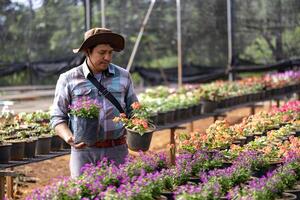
(265,31)
(191,74)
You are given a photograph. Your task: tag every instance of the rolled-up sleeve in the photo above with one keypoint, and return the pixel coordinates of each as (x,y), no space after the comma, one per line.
(130,96)
(59,110)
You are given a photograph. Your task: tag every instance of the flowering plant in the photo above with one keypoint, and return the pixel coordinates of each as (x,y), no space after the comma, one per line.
(139,120)
(85,107)
(150,162)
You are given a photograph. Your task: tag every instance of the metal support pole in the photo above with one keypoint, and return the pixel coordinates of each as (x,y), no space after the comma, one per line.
(136,45)
(179,50)
(229,38)
(102,13)
(87,15)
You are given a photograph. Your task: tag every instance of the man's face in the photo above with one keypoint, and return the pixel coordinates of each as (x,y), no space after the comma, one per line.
(100,57)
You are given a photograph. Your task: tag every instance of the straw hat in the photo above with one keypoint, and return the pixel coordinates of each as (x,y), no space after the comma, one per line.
(96,36)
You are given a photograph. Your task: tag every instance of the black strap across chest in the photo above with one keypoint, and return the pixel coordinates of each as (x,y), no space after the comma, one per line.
(105,92)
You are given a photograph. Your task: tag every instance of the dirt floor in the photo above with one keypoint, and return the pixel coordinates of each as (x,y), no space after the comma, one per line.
(43,173)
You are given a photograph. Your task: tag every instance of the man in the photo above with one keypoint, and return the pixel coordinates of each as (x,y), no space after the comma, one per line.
(98,46)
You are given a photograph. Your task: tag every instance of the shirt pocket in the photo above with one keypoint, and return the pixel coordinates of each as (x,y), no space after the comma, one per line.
(83,92)
(119,95)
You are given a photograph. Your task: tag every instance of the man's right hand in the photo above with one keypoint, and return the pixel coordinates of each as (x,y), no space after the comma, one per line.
(65,133)
(70,141)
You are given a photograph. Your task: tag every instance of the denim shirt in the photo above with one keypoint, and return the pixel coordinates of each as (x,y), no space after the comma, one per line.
(74,84)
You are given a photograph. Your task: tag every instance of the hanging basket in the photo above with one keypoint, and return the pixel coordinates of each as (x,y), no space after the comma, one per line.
(138,142)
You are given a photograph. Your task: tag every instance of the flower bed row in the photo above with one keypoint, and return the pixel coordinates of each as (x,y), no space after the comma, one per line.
(170,105)
(199,173)
(147,177)
(26,135)
(220,135)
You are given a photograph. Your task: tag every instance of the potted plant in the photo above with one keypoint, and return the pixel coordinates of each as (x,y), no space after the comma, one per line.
(84,115)
(56,141)
(138,126)
(30,143)
(5,151)
(17,149)
(209,97)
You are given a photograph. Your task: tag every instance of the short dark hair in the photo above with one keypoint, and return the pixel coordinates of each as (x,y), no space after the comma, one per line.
(91,48)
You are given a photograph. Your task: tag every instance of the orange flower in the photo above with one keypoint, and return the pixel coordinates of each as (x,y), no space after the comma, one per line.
(136,121)
(144,123)
(136,105)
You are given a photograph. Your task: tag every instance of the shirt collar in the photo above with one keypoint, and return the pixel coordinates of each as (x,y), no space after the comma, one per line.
(109,72)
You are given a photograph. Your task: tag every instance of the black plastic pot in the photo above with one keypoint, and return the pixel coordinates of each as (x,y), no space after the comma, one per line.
(208,106)
(294,190)
(56,143)
(137,142)
(43,145)
(29,151)
(287,196)
(169,195)
(169,117)
(5,153)
(17,150)
(161,118)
